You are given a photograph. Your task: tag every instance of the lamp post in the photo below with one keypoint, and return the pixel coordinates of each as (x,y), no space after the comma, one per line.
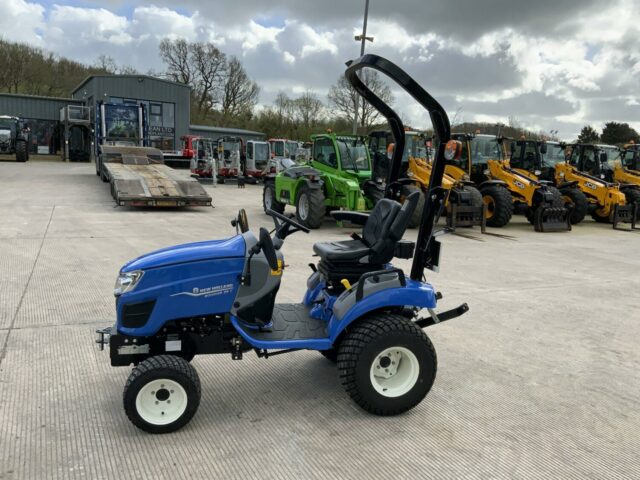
(362,39)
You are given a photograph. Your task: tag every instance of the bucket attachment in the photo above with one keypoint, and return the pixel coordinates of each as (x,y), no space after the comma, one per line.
(466,216)
(552,219)
(626,214)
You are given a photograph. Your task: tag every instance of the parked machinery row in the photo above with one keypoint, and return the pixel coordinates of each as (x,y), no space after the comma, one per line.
(555,185)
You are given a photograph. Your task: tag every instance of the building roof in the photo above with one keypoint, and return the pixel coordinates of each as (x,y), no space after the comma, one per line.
(40,97)
(209,128)
(127,76)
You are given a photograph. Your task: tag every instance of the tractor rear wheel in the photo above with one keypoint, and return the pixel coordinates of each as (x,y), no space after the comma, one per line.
(579,201)
(310,207)
(416,217)
(600,218)
(387,364)
(162,394)
(269,200)
(22,155)
(499,205)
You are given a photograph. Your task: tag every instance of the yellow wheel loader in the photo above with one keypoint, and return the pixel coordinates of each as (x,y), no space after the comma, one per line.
(487,166)
(609,202)
(625,166)
(464,205)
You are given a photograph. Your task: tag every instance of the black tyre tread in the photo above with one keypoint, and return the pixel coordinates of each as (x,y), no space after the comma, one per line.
(416,217)
(173,364)
(317,209)
(375,195)
(276,206)
(362,334)
(632,195)
(476,196)
(22,154)
(599,218)
(503,205)
(557,197)
(580,204)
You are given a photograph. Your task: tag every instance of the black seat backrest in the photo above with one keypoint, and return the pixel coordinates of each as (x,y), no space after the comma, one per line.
(376,232)
(401,222)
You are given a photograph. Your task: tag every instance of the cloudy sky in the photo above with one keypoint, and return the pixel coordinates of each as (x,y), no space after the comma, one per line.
(552,64)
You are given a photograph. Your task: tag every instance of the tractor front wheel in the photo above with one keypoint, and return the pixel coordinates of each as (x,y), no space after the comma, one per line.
(310,207)
(416,217)
(22,155)
(577,199)
(499,205)
(269,200)
(387,364)
(162,394)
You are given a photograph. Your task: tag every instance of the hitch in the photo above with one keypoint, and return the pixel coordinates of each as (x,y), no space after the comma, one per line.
(626,214)
(552,219)
(102,336)
(441,317)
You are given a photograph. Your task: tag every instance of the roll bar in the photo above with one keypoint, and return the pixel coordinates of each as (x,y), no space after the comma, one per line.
(427,249)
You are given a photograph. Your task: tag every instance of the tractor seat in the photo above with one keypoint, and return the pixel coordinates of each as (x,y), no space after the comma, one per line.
(383,228)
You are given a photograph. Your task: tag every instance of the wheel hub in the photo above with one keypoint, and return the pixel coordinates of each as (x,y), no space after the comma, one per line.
(394,371)
(303,206)
(161,402)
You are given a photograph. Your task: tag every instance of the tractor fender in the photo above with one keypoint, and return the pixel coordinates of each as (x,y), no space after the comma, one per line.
(347,310)
(492,182)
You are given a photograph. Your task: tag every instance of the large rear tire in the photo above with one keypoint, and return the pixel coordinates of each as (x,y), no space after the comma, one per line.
(387,364)
(632,195)
(416,217)
(575,198)
(310,207)
(269,200)
(162,394)
(499,205)
(22,155)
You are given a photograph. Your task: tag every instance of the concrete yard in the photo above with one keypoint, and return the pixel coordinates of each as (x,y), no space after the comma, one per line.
(541,379)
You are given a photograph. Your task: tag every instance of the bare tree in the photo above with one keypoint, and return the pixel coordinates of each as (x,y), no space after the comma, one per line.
(210,70)
(342,96)
(240,92)
(308,109)
(106,63)
(175,53)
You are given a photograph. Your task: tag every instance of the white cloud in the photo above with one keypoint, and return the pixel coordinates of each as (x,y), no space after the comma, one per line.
(20,21)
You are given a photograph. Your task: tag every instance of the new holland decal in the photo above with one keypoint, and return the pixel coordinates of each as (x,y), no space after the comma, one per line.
(208,291)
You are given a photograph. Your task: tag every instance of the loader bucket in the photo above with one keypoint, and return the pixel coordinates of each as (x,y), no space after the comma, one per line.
(466,216)
(552,219)
(626,214)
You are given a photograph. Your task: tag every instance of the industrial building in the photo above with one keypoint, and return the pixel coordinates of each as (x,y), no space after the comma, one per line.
(65,126)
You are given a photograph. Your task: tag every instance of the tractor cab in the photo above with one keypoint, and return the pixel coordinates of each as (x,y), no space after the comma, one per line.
(341,153)
(478,150)
(527,154)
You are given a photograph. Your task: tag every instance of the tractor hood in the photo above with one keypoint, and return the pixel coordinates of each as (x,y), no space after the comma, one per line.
(188,253)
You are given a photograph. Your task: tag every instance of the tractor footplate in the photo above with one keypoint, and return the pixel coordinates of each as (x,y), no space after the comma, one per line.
(626,214)
(552,219)
(466,216)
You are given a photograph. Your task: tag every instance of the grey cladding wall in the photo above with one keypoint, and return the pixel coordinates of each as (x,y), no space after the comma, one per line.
(26,106)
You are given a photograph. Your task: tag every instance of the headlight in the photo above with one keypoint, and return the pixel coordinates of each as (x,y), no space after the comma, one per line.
(127,282)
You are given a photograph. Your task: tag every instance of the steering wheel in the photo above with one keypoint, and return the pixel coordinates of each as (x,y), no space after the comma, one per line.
(283,229)
(241,222)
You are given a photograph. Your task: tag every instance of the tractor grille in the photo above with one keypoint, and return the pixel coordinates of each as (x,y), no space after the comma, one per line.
(135,315)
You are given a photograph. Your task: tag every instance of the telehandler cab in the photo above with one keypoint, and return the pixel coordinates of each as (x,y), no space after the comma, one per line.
(464,205)
(537,160)
(219,297)
(624,167)
(608,202)
(338,176)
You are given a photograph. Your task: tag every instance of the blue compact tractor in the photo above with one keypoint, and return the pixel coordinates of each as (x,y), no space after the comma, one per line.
(359,310)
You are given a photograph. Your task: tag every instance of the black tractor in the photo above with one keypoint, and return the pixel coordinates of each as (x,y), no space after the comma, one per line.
(14,137)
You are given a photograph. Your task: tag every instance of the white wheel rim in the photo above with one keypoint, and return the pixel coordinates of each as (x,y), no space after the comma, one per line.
(267,198)
(161,402)
(394,371)
(303,206)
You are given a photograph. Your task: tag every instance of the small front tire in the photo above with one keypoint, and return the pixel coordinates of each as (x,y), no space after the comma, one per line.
(387,364)
(162,394)
(269,200)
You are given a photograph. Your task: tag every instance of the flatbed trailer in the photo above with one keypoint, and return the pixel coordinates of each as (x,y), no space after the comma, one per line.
(139,178)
